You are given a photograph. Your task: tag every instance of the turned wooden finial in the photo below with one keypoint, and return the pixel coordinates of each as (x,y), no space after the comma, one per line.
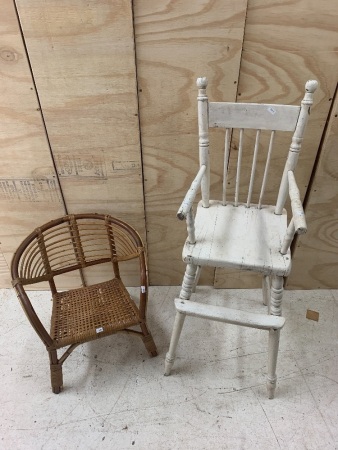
(202,82)
(311,86)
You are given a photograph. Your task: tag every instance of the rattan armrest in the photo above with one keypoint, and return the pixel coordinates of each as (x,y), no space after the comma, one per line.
(33,317)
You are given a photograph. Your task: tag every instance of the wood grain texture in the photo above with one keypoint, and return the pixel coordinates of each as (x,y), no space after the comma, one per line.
(284,46)
(29,192)
(315,262)
(175,43)
(83,60)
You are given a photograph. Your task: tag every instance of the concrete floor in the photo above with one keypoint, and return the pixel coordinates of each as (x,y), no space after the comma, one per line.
(116,397)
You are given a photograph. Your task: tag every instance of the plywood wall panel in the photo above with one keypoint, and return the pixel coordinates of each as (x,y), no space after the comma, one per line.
(83,61)
(29,192)
(175,43)
(285,45)
(315,262)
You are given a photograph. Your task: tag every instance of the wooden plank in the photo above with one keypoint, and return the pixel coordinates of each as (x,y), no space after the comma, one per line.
(253,115)
(315,262)
(175,44)
(29,192)
(228,315)
(229,234)
(279,55)
(83,62)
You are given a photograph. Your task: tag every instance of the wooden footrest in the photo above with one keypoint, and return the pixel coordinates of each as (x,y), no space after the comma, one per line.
(222,314)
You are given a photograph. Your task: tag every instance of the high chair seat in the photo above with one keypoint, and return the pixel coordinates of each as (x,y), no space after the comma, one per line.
(240,238)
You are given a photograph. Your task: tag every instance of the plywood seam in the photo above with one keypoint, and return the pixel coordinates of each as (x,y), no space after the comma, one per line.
(139,130)
(40,107)
(241,57)
(320,148)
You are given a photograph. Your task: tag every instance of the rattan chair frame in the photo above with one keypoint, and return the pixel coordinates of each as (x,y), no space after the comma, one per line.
(72,243)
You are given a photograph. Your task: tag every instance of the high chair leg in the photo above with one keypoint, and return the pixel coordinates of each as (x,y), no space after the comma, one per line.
(275,308)
(170,357)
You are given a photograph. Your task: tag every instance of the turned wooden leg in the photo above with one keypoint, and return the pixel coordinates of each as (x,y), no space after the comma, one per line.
(189,280)
(266,291)
(276,310)
(148,340)
(55,372)
(276,296)
(197,277)
(170,356)
(272,362)
(185,293)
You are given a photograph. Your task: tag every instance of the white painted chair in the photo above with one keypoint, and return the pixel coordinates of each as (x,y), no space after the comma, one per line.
(242,235)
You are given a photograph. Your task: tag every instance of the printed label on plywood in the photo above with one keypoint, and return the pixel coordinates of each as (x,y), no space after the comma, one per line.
(79,166)
(30,190)
(126,165)
(4,269)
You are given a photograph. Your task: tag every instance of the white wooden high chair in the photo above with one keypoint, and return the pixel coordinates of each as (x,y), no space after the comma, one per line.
(246,236)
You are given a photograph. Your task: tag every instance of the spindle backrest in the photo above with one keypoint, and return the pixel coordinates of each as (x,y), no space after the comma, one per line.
(254,116)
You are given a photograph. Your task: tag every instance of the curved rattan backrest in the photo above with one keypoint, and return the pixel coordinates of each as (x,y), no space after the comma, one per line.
(74,242)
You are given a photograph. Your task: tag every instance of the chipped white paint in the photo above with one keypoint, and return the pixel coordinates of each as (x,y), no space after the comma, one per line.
(253,169)
(253,116)
(202,106)
(298,222)
(247,236)
(228,315)
(226,163)
(239,164)
(288,238)
(296,142)
(239,237)
(266,289)
(266,170)
(191,227)
(296,205)
(191,194)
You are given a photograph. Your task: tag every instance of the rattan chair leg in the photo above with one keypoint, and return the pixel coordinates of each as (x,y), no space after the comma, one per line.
(148,340)
(56,376)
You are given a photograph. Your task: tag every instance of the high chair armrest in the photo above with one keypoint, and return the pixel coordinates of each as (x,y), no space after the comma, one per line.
(191,194)
(296,205)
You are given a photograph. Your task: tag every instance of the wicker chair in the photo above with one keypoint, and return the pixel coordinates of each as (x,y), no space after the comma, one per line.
(73,243)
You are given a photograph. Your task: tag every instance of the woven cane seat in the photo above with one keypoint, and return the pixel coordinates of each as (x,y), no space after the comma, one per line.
(84,314)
